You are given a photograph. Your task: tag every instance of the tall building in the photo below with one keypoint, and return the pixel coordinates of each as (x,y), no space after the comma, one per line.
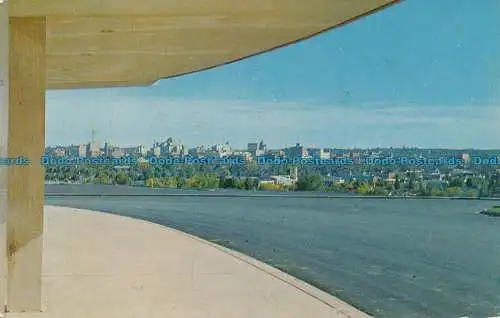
(156,151)
(222,150)
(93,148)
(318,153)
(107,149)
(262,146)
(117,152)
(170,147)
(256,149)
(275,153)
(252,147)
(129,151)
(59,152)
(110,150)
(297,151)
(77,150)
(141,150)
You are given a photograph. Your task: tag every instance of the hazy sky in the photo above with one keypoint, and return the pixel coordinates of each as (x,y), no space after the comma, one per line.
(424,73)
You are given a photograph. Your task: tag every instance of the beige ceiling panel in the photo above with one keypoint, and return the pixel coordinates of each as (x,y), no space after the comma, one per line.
(311,8)
(106,43)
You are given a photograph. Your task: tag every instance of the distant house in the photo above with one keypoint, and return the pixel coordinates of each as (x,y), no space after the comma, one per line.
(331,180)
(462,172)
(284,180)
(362,178)
(390,180)
(281,180)
(266,181)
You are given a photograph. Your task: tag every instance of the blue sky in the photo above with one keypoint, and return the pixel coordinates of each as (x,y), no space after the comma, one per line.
(423,73)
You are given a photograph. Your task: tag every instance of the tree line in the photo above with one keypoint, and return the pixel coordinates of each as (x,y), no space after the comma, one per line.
(248,177)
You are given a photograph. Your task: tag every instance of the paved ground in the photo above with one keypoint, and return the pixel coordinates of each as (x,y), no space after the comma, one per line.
(102,265)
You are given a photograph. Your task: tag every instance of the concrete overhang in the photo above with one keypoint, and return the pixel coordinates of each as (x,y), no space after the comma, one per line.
(111,43)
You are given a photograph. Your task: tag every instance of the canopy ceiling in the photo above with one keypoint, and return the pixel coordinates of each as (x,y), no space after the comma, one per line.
(106,43)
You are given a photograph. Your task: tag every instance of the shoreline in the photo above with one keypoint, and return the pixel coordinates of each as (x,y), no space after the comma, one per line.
(234,195)
(238,193)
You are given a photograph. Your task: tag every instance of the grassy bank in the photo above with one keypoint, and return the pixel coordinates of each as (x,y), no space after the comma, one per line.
(493,211)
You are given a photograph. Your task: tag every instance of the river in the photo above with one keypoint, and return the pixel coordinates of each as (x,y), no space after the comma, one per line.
(390,258)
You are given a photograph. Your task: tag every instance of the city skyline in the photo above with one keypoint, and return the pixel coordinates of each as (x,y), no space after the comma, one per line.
(366,84)
(435,125)
(178,142)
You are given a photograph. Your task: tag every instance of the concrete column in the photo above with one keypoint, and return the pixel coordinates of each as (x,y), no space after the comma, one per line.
(25,186)
(4,106)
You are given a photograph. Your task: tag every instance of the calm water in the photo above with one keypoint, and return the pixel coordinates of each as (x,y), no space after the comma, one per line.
(391,258)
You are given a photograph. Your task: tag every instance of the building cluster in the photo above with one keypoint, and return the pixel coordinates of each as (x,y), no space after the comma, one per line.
(171,147)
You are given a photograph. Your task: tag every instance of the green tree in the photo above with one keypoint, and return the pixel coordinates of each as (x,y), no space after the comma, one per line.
(227,183)
(253,183)
(203,181)
(122,179)
(397,184)
(380,191)
(365,189)
(411,184)
(484,191)
(468,183)
(309,182)
(435,191)
(453,191)
(456,182)
(472,193)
